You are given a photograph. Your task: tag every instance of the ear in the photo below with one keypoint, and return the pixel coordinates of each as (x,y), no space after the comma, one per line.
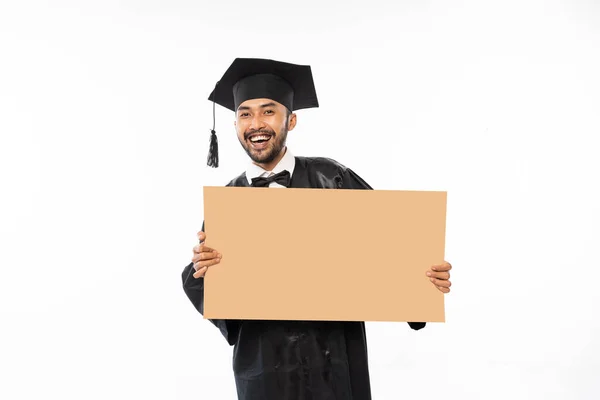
(292,121)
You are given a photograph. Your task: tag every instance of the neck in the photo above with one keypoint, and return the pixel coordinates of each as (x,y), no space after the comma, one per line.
(272,164)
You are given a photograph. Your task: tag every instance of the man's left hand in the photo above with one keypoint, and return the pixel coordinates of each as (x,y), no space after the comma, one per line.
(439,275)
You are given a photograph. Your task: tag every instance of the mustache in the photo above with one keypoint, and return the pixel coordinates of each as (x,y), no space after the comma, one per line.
(265,131)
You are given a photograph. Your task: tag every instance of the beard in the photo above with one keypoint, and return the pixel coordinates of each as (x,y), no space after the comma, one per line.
(276,145)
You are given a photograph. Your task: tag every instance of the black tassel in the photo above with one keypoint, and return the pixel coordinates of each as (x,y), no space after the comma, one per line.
(213,150)
(213,153)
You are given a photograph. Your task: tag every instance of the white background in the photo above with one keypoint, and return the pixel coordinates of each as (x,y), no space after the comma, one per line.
(104,123)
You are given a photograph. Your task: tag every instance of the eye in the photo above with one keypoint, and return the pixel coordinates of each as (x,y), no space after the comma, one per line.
(269,112)
(244,114)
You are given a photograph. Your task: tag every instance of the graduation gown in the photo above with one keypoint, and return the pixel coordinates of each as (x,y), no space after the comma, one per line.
(297,360)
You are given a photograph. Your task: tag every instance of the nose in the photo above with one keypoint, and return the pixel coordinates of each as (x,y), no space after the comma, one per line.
(256,123)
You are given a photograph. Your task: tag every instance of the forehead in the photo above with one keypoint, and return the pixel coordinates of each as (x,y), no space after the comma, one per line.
(257,103)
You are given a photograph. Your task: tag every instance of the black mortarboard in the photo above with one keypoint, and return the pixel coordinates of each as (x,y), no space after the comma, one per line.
(251,78)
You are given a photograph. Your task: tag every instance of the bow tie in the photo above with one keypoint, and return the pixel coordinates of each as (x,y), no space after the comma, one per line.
(282,178)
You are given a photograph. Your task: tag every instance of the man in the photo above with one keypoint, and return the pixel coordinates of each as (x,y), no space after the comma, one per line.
(283,360)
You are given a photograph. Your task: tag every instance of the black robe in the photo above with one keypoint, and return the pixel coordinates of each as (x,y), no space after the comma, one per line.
(297,360)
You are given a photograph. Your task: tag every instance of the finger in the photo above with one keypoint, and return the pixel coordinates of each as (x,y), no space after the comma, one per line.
(201,236)
(439,282)
(439,275)
(442,267)
(200,248)
(200,273)
(443,289)
(208,263)
(206,256)
(203,266)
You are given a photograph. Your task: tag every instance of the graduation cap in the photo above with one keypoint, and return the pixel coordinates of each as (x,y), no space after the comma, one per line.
(291,85)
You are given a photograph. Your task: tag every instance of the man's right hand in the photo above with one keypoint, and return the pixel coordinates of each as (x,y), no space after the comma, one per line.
(204,257)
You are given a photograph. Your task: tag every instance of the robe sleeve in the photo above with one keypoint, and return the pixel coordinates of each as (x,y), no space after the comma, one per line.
(194,289)
(351,180)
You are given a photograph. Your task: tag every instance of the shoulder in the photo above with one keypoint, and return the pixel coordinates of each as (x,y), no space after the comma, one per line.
(323,164)
(329,173)
(239,180)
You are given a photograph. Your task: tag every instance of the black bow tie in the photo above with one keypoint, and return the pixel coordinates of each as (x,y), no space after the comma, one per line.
(282,178)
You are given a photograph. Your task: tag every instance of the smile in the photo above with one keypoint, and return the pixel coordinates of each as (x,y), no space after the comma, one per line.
(259,141)
(260,138)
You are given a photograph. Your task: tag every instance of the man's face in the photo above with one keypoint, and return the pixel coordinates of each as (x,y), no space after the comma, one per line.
(262,126)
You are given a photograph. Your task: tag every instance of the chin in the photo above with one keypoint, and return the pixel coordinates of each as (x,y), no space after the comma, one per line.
(264,154)
(262,160)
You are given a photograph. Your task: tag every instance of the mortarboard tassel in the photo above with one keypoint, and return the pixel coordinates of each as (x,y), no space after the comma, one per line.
(213,150)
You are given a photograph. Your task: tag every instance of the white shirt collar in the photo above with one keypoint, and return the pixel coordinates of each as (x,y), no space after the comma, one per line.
(288,162)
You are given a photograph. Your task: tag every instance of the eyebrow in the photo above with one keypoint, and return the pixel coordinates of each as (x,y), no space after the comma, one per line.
(271,104)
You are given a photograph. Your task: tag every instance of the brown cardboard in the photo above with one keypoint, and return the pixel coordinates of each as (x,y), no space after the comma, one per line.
(320,254)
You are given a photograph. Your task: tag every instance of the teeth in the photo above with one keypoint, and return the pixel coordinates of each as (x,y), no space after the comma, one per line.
(257,138)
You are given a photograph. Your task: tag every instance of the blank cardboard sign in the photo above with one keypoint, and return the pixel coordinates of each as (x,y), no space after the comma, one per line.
(320,254)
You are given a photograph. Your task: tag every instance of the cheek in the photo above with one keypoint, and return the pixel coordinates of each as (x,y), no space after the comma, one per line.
(278,125)
(240,129)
